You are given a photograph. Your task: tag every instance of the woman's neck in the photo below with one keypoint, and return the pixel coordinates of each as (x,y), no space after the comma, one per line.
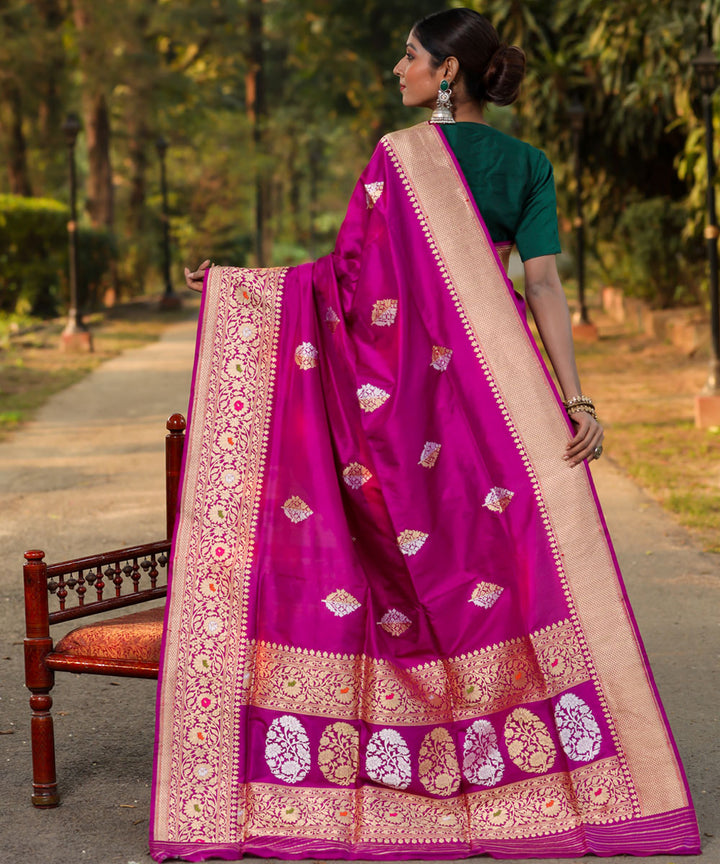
(469,112)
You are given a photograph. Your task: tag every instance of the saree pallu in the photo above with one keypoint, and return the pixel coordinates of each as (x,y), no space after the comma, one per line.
(396,628)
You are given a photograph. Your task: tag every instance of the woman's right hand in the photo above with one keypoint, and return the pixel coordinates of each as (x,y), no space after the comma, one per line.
(195,279)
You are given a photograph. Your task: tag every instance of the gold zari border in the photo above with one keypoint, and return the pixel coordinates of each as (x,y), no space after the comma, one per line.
(349,687)
(592,795)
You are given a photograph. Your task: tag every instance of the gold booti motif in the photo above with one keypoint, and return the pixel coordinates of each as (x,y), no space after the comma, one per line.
(306,355)
(486,594)
(384,313)
(371,397)
(341,603)
(440,357)
(429,455)
(296,509)
(498,499)
(394,622)
(356,475)
(411,542)
(373,191)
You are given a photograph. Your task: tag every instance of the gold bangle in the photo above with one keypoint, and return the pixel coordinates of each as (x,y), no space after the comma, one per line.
(578,400)
(586,409)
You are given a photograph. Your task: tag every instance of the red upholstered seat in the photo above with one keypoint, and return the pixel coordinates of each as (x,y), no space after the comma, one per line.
(128,637)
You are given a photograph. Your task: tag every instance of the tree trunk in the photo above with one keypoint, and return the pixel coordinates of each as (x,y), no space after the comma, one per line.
(97,123)
(100,196)
(50,107)
(16,146)
(257,114)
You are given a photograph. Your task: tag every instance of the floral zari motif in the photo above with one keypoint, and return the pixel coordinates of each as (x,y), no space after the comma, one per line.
(349,687)
(594,794)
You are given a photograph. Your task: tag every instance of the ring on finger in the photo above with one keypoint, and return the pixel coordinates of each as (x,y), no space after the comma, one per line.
(597,452)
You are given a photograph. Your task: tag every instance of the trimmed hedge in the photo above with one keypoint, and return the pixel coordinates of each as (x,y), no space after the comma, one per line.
(34,256)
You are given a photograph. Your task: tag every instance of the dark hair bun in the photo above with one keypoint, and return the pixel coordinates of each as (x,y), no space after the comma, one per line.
(490,70)
(504,75)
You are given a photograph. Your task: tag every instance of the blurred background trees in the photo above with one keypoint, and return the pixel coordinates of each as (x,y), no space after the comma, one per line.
(271,108)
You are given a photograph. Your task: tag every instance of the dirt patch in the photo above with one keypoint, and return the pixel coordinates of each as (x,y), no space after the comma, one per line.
(644,390)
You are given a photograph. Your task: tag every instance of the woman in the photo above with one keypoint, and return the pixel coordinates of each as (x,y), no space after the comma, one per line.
(396,626)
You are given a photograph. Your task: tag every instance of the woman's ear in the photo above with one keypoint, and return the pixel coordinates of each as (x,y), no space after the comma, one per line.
(451,68)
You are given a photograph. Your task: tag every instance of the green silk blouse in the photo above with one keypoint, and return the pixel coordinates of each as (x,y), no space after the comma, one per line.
(513,186)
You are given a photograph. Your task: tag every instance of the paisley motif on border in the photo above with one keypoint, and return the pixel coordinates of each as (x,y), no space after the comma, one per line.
(438,768)
(287,749)
(528,742)
(387,759)
(339,753)
(482,761)
(580,734)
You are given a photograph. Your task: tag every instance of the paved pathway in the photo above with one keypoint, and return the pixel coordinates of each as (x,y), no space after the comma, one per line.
(87,475)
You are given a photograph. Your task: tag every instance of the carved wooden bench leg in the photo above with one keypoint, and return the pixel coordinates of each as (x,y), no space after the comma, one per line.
(39,680)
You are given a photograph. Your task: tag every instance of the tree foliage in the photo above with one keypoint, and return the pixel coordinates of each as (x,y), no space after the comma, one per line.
(271,108)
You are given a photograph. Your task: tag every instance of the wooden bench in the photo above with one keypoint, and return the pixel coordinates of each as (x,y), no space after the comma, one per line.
(127,645)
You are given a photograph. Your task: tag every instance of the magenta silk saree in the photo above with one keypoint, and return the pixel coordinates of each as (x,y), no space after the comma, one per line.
(396,628)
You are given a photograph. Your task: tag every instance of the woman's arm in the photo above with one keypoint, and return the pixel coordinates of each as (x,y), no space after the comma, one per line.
(546,299)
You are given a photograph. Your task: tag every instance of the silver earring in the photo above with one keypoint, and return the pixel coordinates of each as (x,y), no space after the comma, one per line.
(443,109)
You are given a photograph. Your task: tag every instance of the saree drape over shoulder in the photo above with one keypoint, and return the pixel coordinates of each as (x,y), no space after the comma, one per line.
(396,627)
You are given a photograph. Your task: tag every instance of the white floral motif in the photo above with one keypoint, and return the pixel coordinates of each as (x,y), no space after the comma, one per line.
(341,603)
(356,475)
(230,478)
(387,759)
(411,542)
(498,499)
(371,397)
(213,626)
(306,355)
(486,594)
(580,734)
(440,358)
(430,453)
(373,191)
(247,332)
(296,509)
(482,762)
(287,749)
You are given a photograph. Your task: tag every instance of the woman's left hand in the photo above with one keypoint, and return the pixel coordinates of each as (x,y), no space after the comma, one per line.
(588,438)
(194,280)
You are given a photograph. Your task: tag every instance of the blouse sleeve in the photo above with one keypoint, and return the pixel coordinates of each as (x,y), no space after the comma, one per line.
(537,231)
